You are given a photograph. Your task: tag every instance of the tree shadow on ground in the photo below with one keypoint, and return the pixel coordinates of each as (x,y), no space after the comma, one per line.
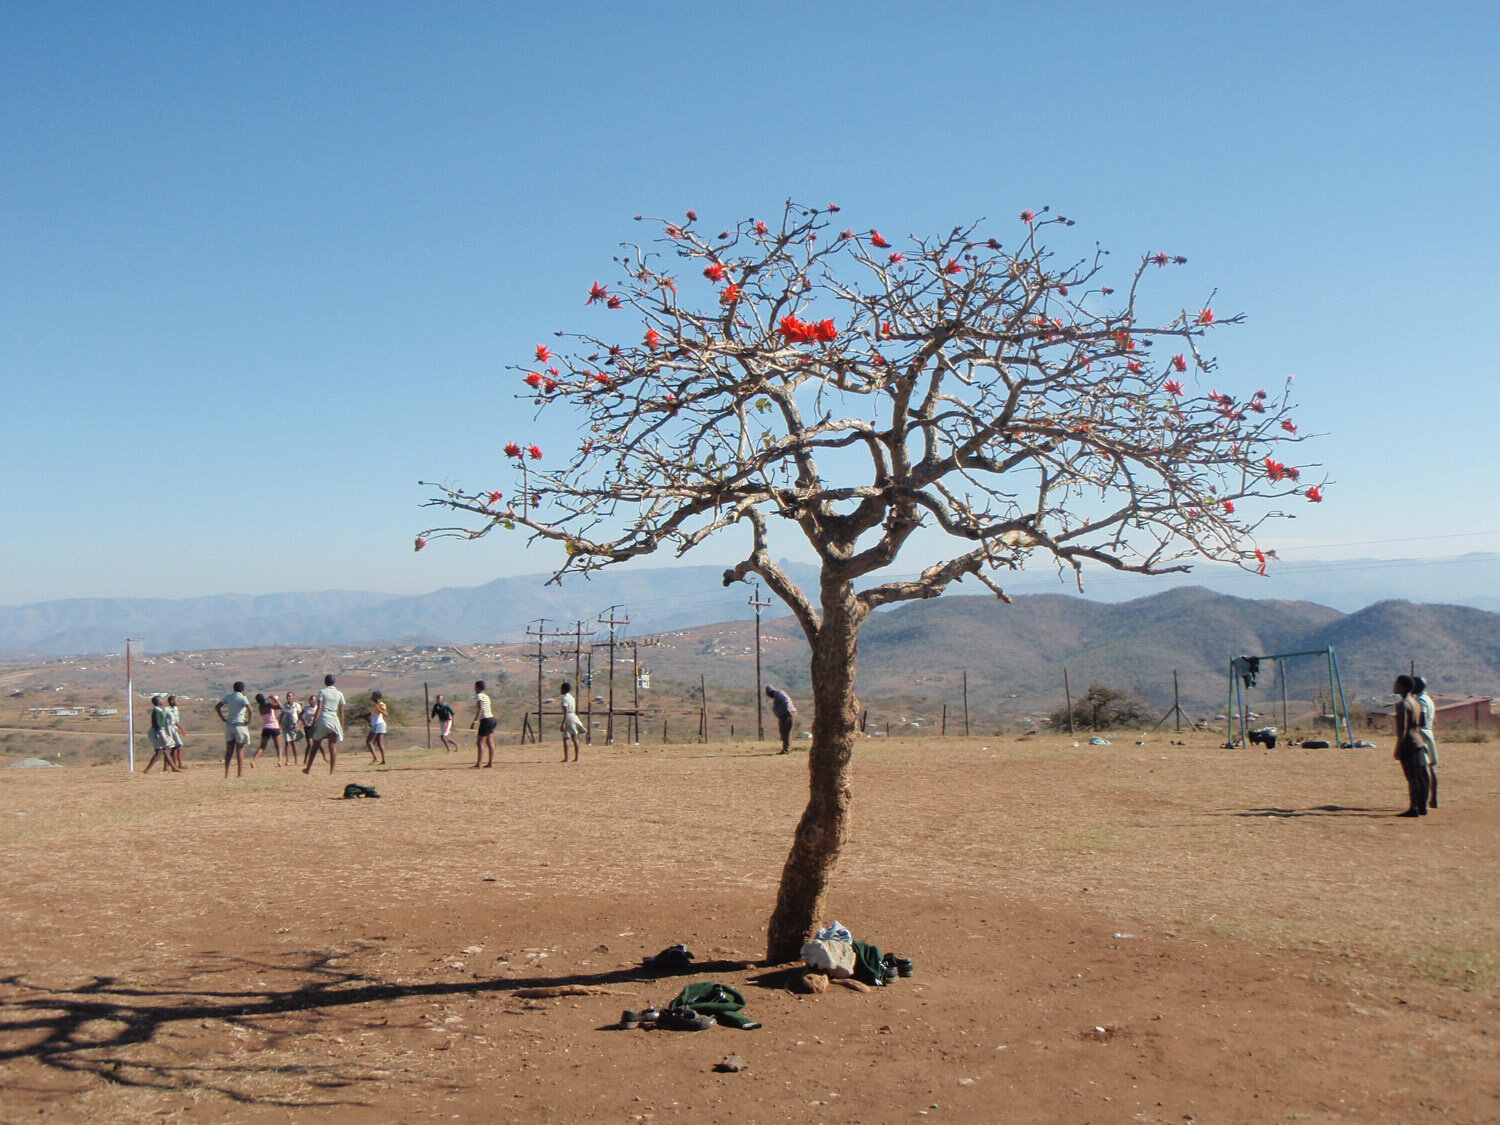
(1275,812)
(89,1029)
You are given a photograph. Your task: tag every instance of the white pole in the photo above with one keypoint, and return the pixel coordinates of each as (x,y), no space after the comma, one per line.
(129,710)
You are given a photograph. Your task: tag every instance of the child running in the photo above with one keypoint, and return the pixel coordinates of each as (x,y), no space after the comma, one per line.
(375,740)
(161,739)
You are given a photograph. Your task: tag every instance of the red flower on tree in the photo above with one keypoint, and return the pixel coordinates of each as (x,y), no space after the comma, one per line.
(1028,216)
(512,449)
(551,386)
(714,272)
(1229,507)
(1289,426)
(1275,470)
(953,266)
(731,294)
(895,258)
(1160,260)
(597,292)
(543,353)
(878,242)
(614,303)
(495,497)
(1315,494)
(1205,316)
(653,338)
(692,216)
(534,452)
(760,228)
(1171,386)
(534,379)
(886,329)
(421,542)
(1179,363)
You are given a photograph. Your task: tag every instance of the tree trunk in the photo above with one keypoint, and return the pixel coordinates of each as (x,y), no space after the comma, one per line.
(825,823)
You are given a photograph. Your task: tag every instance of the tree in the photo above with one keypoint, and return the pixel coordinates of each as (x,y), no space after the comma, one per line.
(1001,403)
(1102,708)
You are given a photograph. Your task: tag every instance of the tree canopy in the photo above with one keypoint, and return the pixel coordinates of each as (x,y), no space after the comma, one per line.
(969,387)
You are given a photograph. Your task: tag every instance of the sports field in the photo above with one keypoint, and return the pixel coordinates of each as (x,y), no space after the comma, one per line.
(1153,933)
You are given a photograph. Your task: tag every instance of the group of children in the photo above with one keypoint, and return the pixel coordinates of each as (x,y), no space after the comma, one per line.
(320,722)
(484,724)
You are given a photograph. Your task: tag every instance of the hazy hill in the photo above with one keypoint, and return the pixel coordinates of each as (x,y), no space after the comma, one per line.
(1015,654)
(655,598)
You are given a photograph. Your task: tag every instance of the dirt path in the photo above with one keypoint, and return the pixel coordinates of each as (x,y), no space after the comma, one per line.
(1255,934)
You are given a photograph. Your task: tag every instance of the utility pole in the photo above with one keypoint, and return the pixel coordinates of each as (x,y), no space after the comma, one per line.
(129,709)
(542,634)
(612,621)
(760,722)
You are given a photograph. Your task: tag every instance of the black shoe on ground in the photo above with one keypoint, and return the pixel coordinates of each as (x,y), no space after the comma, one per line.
(1409,812)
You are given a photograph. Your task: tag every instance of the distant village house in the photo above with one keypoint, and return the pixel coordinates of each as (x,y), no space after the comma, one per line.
(1450,712)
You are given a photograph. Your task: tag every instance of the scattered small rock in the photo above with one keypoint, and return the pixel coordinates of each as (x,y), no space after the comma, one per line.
(856,985)
(471,950)
(732,1064)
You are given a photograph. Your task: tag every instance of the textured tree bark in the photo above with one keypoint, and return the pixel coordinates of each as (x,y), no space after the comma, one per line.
(825,823)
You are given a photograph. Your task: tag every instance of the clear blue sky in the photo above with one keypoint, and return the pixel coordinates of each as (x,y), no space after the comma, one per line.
(261,264)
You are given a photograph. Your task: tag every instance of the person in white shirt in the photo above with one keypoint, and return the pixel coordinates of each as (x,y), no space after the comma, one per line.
(572,725)
(234,710)
(175,731)
(1429,710)
(291,730)
(328,725)
(484,720)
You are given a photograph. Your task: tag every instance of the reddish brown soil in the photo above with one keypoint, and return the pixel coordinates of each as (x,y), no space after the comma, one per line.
(1258,938)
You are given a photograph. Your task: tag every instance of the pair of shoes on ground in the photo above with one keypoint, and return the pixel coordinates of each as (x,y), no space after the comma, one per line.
(897,966)
(675,1019)
(673,957)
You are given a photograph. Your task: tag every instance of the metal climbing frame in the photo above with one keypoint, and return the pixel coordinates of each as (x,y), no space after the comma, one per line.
(1242,673)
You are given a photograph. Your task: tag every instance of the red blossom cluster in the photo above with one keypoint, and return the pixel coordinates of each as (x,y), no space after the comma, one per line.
(731,294)
(1179,362)
(808,332)
(878,242)
(1171,386)
(1276,471)
(1315,494)
(714,272)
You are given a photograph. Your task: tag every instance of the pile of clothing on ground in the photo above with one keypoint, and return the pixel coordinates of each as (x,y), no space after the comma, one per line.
(835,953)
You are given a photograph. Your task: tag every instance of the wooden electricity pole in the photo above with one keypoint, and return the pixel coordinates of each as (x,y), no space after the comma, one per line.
(612,621)
(760,722)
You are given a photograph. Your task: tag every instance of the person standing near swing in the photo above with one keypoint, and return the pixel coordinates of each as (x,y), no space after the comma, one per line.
(1411,751)
(1429,710)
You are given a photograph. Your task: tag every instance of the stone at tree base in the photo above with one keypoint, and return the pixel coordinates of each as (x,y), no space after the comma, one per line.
(732,1064)
(836,958)
(812,982)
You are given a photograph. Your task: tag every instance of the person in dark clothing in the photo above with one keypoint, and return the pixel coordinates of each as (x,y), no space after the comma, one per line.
(444,715)
(786,716)
(1411,750)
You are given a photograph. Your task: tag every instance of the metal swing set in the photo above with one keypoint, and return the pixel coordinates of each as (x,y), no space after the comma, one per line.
(1243,672)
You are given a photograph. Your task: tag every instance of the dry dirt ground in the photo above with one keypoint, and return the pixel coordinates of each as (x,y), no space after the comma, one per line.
(1100,934)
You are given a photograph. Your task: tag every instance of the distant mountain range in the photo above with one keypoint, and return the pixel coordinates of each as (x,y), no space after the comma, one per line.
(655,600)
